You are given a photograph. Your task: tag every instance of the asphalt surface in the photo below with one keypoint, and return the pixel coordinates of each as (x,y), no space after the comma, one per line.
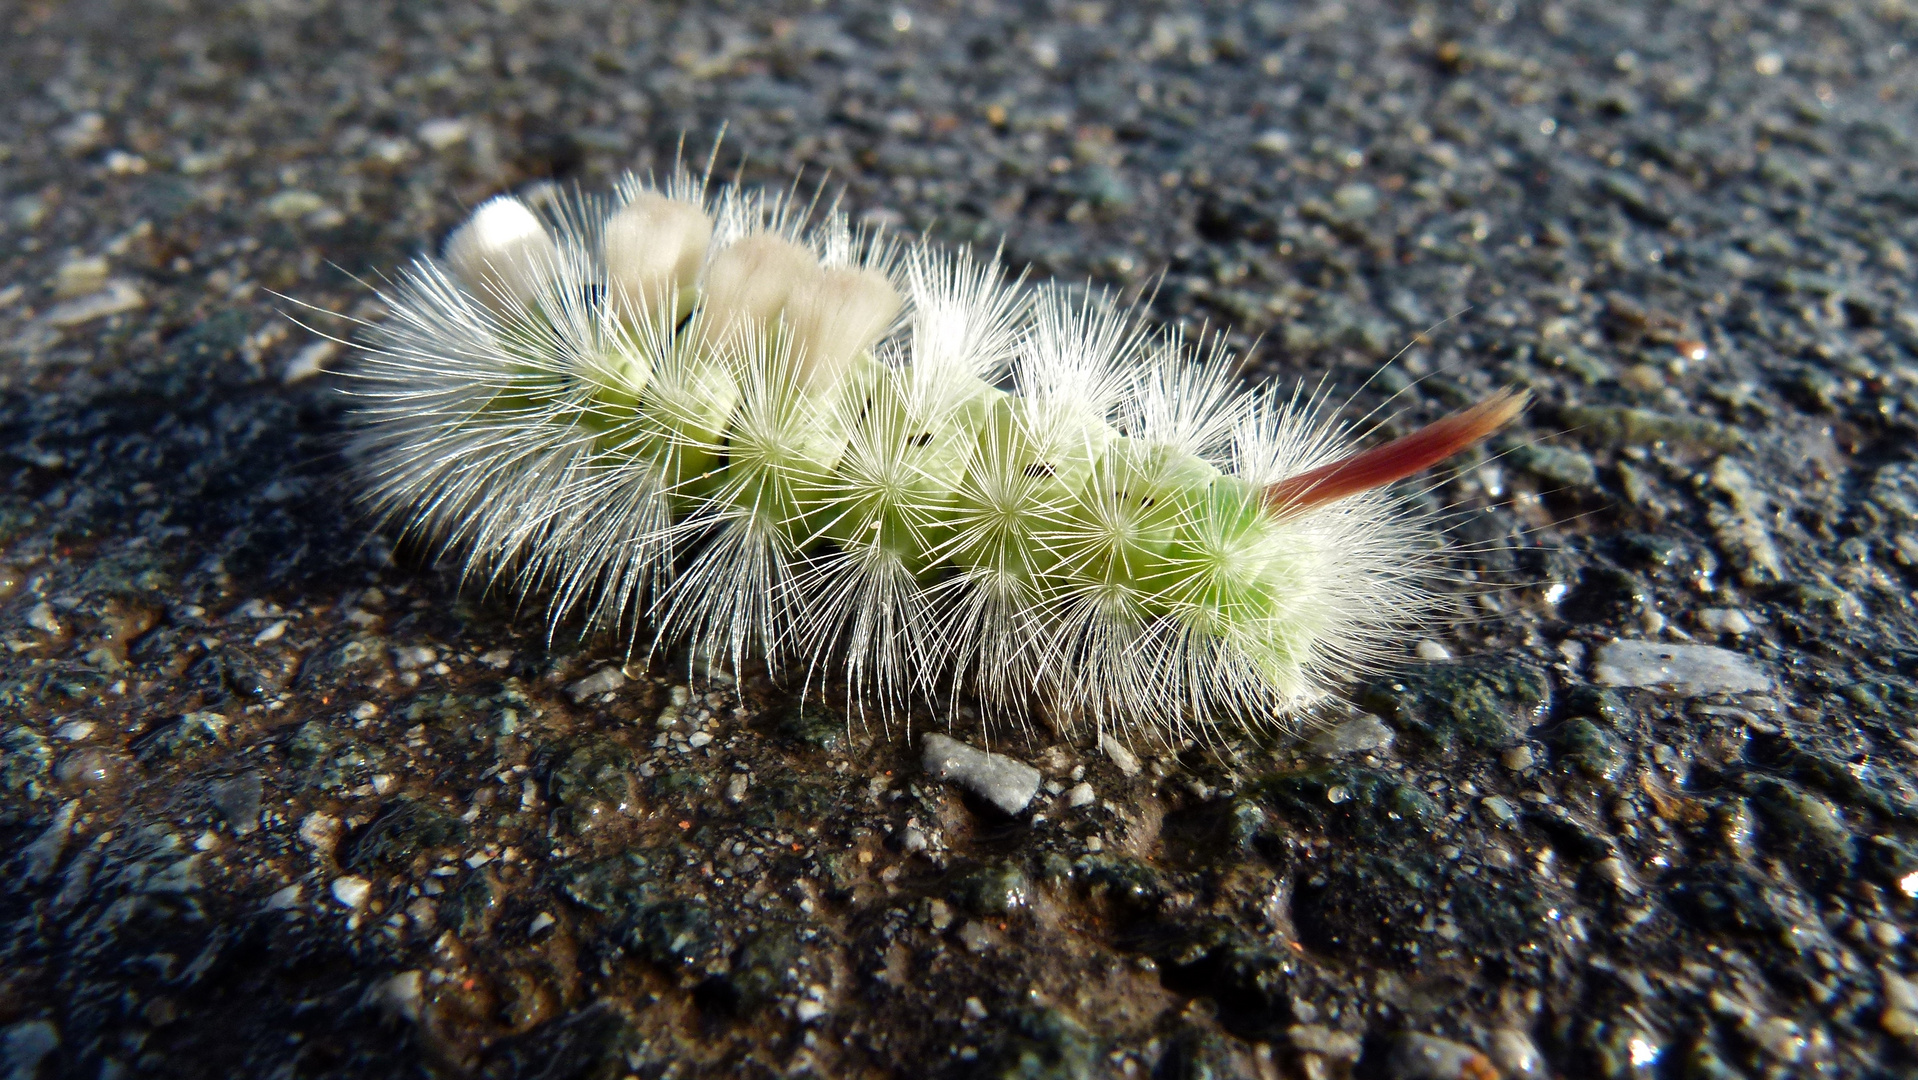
(278,798)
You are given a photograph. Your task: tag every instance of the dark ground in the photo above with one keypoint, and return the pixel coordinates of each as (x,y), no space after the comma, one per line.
(276,801)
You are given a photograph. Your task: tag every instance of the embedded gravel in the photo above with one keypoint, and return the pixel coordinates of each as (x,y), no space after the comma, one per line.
(278,798)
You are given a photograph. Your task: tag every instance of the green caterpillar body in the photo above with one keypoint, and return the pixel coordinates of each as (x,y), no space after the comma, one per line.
(901,463)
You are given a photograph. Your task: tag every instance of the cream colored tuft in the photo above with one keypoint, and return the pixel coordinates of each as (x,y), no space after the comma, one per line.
(653,248)
(835,315)
(747,283)
(503,253)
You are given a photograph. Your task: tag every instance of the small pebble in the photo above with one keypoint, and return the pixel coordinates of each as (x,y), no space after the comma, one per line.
(25,1045)
(290,205)
(399,995)
(1324,1041)
(1357,735)
(1123,759)
(284,899)
(1080,794)
(351,891)
(41,618)
(1515,1053)
(1717,620)
(238,800)
(118,297)
(603,681)
(1002,781)
(78,277)
(1686,670)
(89,767)
(541,921)
(75,730)
(975,937)
(1431,650)
(1518,758)
(1500,810)
(1900,1017)
(1428,1057)
(444,133)
(322,831)
(309,361)
(43,854)
(1272,142)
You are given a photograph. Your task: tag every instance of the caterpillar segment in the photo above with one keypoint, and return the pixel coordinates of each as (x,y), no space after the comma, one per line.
(694,415)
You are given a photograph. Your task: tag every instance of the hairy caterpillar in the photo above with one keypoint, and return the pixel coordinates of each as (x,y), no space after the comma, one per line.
(704,412)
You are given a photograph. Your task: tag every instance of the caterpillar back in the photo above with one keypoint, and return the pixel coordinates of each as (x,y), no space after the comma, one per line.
(693,414)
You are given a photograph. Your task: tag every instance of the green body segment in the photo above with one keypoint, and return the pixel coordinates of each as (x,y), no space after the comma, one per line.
(1048,506)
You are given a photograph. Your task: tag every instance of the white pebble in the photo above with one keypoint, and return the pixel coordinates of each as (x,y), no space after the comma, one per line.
(1002,781)
(1718,620)
(443,133)
(41,618)
(1080,794)
(399,995)
(809,1010)
(1515,1053)
(603,681)
(1431,650)
(351,891)
(1272,142)
(1124,759)
(320,830)
(1686,670)
(1427,1057)
(540,922)
(80,276)
(285,898)
(290,205)
(1359,734)
(120,296)
(309,361)
(1518,758)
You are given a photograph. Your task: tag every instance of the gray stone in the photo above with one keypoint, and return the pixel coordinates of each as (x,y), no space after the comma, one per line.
(1002,781)
(603,681)
(1359,734)
(1428,1057)
(238,798)
(24,1046)
(44,853)
(1685,670)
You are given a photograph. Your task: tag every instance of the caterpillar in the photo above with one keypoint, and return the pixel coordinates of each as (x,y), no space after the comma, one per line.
(697,413)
